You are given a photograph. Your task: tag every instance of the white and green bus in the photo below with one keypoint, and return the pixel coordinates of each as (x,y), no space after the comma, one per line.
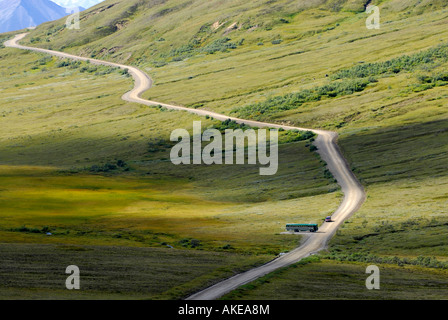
(297,227)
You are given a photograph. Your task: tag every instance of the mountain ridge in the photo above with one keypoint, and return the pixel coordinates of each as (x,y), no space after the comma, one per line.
(84,4)
(21,14)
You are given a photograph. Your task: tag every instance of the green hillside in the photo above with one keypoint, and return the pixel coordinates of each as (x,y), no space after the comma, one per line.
(305,63)
(93,170)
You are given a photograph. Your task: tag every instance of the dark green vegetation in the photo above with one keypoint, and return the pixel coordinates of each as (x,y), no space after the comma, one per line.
(429,262)
(425,60)
(4,38)
(356,79)
(315,278)
(109,272)
(407,165)
(305,63)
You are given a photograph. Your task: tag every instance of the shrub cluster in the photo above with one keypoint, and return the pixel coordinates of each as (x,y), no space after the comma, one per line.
(396,65)
(229,124)
(25,229)
(108,167)
(194,47)
(190,243)
(427,82)
(295,100)
(98,70)
(295,135)
(222,45)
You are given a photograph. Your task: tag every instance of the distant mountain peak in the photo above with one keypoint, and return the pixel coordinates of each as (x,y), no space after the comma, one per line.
(21,14)
(77,3)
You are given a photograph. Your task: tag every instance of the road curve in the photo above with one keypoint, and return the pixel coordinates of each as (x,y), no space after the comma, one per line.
(326,142)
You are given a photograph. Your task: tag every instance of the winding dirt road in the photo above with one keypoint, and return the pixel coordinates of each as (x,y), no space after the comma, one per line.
(328,149)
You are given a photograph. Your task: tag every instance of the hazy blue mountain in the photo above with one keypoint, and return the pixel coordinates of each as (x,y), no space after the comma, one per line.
(77,3)
(20,14)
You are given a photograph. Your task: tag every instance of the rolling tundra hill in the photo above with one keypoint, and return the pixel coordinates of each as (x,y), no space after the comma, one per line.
(256,49)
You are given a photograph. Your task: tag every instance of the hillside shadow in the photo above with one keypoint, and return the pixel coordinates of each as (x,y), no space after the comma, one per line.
(414,151)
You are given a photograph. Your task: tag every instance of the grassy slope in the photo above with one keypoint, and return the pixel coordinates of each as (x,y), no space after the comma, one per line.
(49,161)
(377,126)
(50,142)
(252,72)
(394,137)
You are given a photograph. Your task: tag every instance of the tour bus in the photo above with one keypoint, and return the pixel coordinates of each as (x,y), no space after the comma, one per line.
(297,227)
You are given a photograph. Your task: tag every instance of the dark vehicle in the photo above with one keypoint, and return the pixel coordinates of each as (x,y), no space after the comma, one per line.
(328,219)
